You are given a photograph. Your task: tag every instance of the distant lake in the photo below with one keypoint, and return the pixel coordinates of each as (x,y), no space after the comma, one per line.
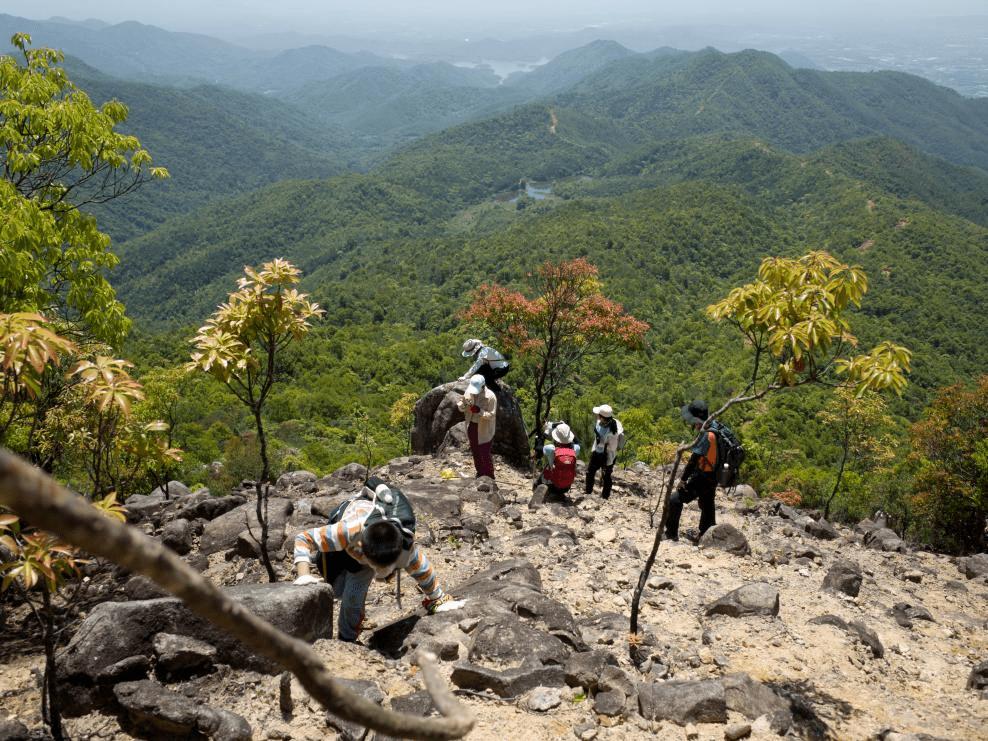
(504,69)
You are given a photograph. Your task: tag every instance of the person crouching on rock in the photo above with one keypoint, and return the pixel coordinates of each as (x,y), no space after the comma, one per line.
(365,539)
(487,362)
(560,456)
(479,407)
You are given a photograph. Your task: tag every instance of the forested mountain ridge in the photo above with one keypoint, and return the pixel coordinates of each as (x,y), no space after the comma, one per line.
(214,141)
(667,244)
(675,96)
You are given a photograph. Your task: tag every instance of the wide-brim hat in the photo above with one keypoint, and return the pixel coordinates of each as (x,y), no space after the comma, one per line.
(604,410)
(476,384)
(470,347)
(562,434)
(695,412)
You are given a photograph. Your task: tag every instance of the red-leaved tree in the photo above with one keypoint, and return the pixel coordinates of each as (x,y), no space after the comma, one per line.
(566,320)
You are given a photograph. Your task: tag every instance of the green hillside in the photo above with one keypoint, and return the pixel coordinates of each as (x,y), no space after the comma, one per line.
(675,174)
(214,141)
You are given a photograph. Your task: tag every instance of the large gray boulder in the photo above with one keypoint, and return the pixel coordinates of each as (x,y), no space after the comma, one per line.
(221,534)
(436,414)
(116,632)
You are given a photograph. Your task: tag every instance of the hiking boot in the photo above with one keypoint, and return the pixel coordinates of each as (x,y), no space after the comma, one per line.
(692,535)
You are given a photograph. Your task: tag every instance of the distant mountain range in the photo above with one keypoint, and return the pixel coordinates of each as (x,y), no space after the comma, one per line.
(948,51)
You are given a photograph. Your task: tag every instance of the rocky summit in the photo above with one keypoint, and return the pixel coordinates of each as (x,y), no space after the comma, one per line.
(775,624)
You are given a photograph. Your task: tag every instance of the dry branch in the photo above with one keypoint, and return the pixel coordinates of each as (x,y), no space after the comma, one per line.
(43,503)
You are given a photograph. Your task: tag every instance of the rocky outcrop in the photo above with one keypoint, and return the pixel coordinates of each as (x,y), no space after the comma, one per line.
(439,427)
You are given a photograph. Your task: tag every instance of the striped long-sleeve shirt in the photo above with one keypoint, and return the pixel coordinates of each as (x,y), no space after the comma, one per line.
(343,536)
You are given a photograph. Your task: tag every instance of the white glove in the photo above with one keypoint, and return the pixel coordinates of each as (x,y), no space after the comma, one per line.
(307,579)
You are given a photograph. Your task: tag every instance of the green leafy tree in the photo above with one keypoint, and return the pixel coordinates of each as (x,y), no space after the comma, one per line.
(567,319)
(793,322)
(864,434)
(58,154)
(949,490)
(240,344)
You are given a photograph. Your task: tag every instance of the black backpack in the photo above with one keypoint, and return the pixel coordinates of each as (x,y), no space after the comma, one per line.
(393,506)
(730,455)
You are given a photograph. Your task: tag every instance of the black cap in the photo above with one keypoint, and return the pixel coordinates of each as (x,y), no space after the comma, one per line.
(695,412)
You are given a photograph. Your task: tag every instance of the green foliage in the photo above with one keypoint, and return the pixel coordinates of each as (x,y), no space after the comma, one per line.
(674,174)
(949,496)
(60,153)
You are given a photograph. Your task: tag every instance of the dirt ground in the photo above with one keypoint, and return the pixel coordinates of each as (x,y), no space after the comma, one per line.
(916,687)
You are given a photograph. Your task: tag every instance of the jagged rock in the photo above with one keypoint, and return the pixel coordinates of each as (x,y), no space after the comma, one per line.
(844,576)
(905,613)
(302,482)
(543,699)
(884,539)
(583,669)
(752,599)
(178,536)
(369,691)
(140,587)
(726,537)
(114,631)
(201,505)
(14,730)
(978,678)
(508,639)
(744,695)
(506,683)
(975,567)
(609,702)
(181,654)
(436,414)
(822,529)
(151,711)
(221,534)
(683,702)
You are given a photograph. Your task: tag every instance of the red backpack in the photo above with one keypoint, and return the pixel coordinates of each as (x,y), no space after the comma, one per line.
(563,468)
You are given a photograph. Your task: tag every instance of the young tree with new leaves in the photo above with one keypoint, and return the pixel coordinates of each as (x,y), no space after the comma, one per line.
(793,322)
(567,319)
(240,344)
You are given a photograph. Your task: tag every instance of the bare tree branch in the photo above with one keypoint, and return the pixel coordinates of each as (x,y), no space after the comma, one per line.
(43,503)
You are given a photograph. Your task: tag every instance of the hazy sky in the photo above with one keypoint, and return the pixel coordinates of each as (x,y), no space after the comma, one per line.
(320,15)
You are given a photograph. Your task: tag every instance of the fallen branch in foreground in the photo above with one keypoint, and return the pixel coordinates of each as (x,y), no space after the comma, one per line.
(42,502)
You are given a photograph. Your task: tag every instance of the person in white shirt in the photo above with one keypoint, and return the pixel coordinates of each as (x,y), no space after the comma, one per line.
(607,433)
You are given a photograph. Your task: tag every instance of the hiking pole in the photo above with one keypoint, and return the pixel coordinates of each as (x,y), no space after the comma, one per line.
(398,588)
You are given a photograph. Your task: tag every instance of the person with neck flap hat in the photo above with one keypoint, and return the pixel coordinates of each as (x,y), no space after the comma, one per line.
(608,439)
(487,362)
(699,479)
(479,407)
(368,537)
(560,456)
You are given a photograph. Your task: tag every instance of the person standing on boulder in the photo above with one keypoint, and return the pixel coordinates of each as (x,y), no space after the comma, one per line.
(479,407)
(370,536)
(609,436)
(699,479)
(487,362)
(560,456)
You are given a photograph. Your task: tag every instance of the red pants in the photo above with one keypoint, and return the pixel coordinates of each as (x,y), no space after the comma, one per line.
(482,459)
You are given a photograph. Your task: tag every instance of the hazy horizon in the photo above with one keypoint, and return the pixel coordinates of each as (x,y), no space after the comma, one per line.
(508,17)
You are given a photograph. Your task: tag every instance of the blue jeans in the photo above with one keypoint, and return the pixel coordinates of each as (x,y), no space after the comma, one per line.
(350,590)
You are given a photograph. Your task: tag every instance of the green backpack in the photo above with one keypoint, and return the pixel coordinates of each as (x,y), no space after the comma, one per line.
(391,505)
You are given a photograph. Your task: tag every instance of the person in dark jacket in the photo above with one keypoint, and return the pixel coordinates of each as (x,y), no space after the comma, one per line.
(699,479)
